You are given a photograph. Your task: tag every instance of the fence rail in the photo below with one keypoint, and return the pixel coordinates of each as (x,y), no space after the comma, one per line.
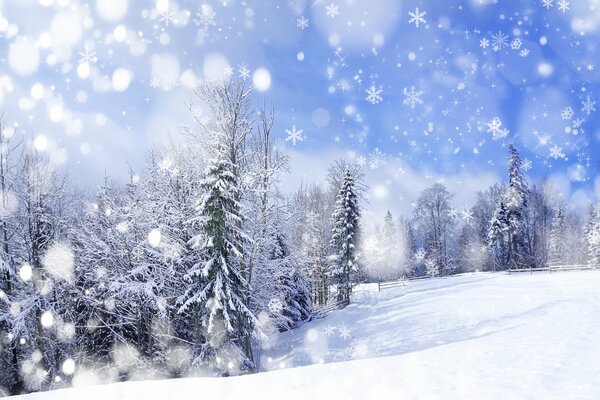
(553,268)
(323,311)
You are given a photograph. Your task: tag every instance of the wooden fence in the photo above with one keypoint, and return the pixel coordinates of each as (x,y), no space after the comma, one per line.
(323,311)
(553,268)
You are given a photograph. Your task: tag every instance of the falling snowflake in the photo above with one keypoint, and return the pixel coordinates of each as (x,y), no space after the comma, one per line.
(563,5)
(499,41)
(374,94)
(566,113)
(524,52)
(412,97)
(361,161)
(295,135)
(244,72)
(376,159)
(556,152)
(588,106)
(467,216)
(484,43)
(516,44)
(87,56)
(417,17)
(302,22)
(452,213)
(527,164)
(205,17)
(495,128)
(275,305)
(167,18)
(332,10)
(420,255)
(344,332)
(547,4)
(329,329)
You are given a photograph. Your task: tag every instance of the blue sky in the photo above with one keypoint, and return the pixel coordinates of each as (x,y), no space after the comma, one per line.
(417,91)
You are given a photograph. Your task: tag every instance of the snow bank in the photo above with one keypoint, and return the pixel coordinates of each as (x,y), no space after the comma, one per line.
(481,336)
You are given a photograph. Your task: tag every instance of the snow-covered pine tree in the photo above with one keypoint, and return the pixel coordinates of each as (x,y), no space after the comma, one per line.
(497,237)
(293,302)
(592,236)
(218,290)
(344,241)
(516,200)
(558,238)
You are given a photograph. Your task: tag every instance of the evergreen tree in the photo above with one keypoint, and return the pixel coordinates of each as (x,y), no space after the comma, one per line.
(507,230)
(558,239)
(497,237)
(293,287)
(217,289)
(344,241)
(516,200)
(592,235)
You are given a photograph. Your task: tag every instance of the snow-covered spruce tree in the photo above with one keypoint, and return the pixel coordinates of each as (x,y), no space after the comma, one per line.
(497,237)
(516,200)
(292,303)
(558,238)
(345,238)
(592,236)
(217,290)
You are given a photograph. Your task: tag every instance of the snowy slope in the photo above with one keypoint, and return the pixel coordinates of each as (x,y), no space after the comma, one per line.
(481,336)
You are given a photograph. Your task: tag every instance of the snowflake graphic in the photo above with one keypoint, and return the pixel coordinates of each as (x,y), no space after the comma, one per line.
(484,43)
(374,94)
(205,17)
(420,255)
(167,18)
(467,216)
(345,332)
(329,329)
(88,55)
(516,44)
(499,41)
(295,135)
(556,152)
(524,52)
(547,4)
(361,161)
(412,97)
(495,128)
(332,10)
(588,106)
(452,213)
(376,159)
(302,22)
(244,72)
(566,113)
(527,164)
(417,17)
(563,5)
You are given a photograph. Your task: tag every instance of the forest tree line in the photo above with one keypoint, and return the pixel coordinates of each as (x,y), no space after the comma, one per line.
(190,267)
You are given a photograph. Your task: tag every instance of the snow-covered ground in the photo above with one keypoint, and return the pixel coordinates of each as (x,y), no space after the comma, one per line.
(480,336)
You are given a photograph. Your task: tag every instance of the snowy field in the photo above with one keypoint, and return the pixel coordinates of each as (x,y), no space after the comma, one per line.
(480,336)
